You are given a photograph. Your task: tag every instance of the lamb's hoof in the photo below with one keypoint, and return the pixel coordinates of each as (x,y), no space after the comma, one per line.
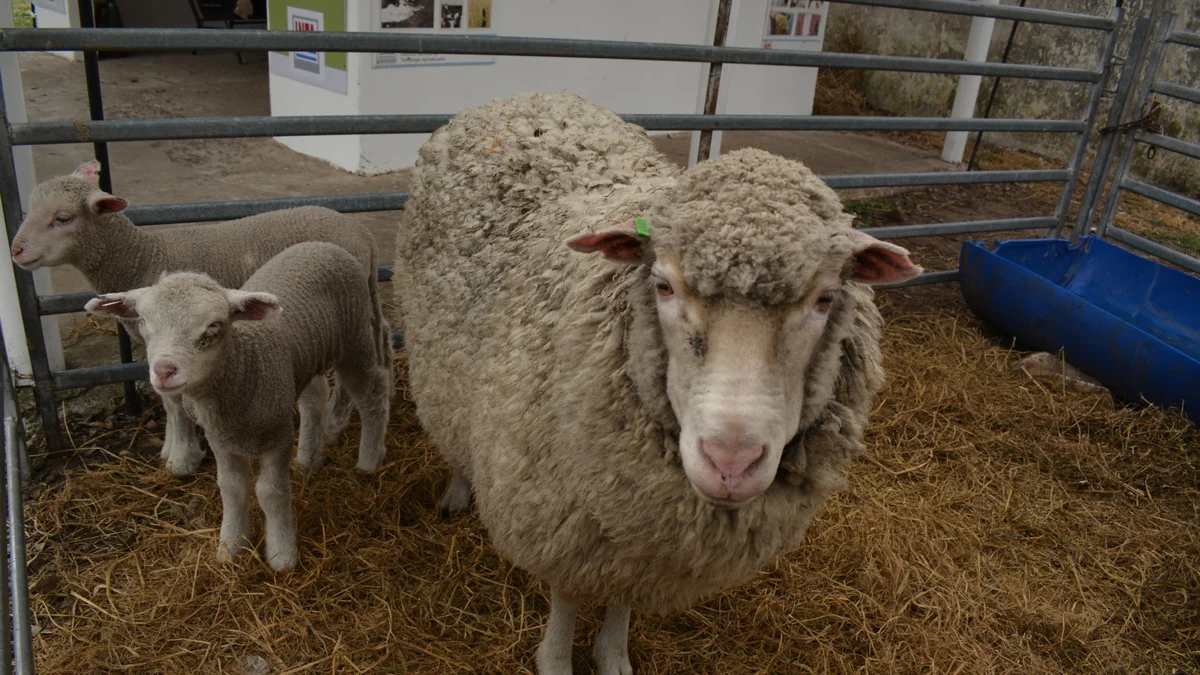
(553,664)
(613,663)
(226,552)
(456,500)
(185,463)
(309,465)
(283,562)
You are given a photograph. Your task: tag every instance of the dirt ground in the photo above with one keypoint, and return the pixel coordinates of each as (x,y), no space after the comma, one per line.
(996,525)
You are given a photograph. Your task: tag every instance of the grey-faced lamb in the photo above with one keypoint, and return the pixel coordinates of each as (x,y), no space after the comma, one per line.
(240,358)
(71,221)
(651,425)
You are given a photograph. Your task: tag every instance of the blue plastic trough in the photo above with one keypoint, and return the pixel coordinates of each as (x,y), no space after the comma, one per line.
(1131,323)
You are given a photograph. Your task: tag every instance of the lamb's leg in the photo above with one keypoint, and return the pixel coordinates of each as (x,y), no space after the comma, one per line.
(611,650)
(233,477)
(181,449)
(341,405)
(554,654)
(314,416)
(274,492)
(457,497)
(371,390)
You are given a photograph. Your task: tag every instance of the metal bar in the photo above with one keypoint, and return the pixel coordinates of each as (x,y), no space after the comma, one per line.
(162,214)
(18,573)
(1167,143)
(81,131)
(1177,91)
(1161,196)
(1044,16)
(987,111)
(1116,112)
(10,198)
(8,393)
(870,180)
(1150,70)
(714,78)
(91,70)
(924,279)
(968,227)
(97,375)
(1184,38)
(1154,248)
(180,39)
(1104,67)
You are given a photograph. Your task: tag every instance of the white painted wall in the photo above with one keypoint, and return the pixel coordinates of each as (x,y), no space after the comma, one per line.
(624,86)
(48,18)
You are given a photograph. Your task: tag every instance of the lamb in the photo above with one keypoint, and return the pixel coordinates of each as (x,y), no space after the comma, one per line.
(240,359)
(645,427)
(71,221)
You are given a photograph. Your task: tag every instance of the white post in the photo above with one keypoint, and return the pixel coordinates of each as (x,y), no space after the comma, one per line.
(10,309)
(968,85)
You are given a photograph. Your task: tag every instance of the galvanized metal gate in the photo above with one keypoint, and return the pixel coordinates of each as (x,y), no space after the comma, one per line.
(1143,52)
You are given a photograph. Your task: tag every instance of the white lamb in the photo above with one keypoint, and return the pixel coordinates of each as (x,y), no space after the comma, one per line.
(651,425)
(71,221)
(240,359)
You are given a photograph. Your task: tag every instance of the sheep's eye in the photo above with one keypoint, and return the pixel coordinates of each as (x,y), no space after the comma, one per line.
(825,301)
(213,329)
(663,287)
(64,219)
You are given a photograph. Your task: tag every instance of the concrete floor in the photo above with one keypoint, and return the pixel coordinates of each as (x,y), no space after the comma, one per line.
(183,85)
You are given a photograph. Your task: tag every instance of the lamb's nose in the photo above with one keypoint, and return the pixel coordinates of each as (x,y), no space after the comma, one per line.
(165,371)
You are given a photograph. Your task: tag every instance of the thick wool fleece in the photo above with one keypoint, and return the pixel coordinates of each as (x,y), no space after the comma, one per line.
(115,255)
(540,373)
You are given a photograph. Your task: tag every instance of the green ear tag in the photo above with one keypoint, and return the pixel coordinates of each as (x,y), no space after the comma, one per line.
(642,228)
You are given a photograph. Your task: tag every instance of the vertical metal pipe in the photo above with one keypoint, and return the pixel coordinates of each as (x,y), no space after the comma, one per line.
(22,637)
(7,396)
(1153,62)
(91,69)
(1116,112)
(1104,67)
(714,77)
(10,197)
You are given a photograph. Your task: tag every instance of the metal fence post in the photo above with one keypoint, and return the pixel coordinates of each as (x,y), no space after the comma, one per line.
(1109,134)
(10,197)
(1104,67)
(91,69)
(714,77)
(15,597)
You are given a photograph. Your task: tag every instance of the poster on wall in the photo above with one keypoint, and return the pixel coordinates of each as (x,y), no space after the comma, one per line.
(326,70)
(59,6)
(439,17)
(795,25)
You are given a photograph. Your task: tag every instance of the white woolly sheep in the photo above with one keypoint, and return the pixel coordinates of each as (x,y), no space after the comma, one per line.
(239,364)
(655,424)
(73,222)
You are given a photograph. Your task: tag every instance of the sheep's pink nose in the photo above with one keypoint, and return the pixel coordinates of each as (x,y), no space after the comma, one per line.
(164,371)
(17,250)
(733,461)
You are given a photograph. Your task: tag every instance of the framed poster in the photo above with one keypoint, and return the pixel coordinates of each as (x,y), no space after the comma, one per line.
(441,17)
(326,70)
(796,25)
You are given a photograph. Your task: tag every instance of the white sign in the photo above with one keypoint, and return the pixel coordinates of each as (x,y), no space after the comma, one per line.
(308,67)
(795,25)
(439,17)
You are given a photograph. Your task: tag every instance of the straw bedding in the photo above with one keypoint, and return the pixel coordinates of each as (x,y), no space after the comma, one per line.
(997,525)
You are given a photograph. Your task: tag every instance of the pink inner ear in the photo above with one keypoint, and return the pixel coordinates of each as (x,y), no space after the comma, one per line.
(90,171)
(254,309)
(118,308)
(879,265)
(108,204)
(615,246)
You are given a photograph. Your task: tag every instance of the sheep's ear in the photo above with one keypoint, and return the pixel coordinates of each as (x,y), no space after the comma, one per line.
(247,306)
(89,171)
(879,262)
(101,203)
(622,244)
(115,305)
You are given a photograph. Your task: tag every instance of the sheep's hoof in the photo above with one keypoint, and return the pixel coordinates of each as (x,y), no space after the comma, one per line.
(283,563)
(184,463)
(226,552)
(613,664)
(456,500)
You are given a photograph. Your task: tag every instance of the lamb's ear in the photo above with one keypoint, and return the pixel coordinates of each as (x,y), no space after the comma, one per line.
(622,244)
(248,306)
(879,262)
(89,171)
(115,305)
(101,203)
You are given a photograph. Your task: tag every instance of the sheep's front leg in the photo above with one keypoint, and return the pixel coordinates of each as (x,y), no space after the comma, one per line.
(181,449)
(554,654)
(314,418)
(612,644)
(274,491)
(233,477)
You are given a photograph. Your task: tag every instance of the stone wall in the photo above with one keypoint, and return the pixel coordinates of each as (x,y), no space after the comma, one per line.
(872,30)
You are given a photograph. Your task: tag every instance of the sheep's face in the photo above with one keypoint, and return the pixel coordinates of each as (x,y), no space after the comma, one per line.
(737,369)
(184,320)
(61,209)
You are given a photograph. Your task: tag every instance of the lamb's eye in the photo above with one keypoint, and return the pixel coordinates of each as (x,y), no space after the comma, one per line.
(825,301)
(663,287)
(213,329)
(62,220)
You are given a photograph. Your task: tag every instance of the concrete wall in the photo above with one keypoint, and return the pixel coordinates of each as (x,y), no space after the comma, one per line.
(925,34)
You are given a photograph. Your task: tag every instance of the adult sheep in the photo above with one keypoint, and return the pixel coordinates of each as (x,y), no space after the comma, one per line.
(648,426)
